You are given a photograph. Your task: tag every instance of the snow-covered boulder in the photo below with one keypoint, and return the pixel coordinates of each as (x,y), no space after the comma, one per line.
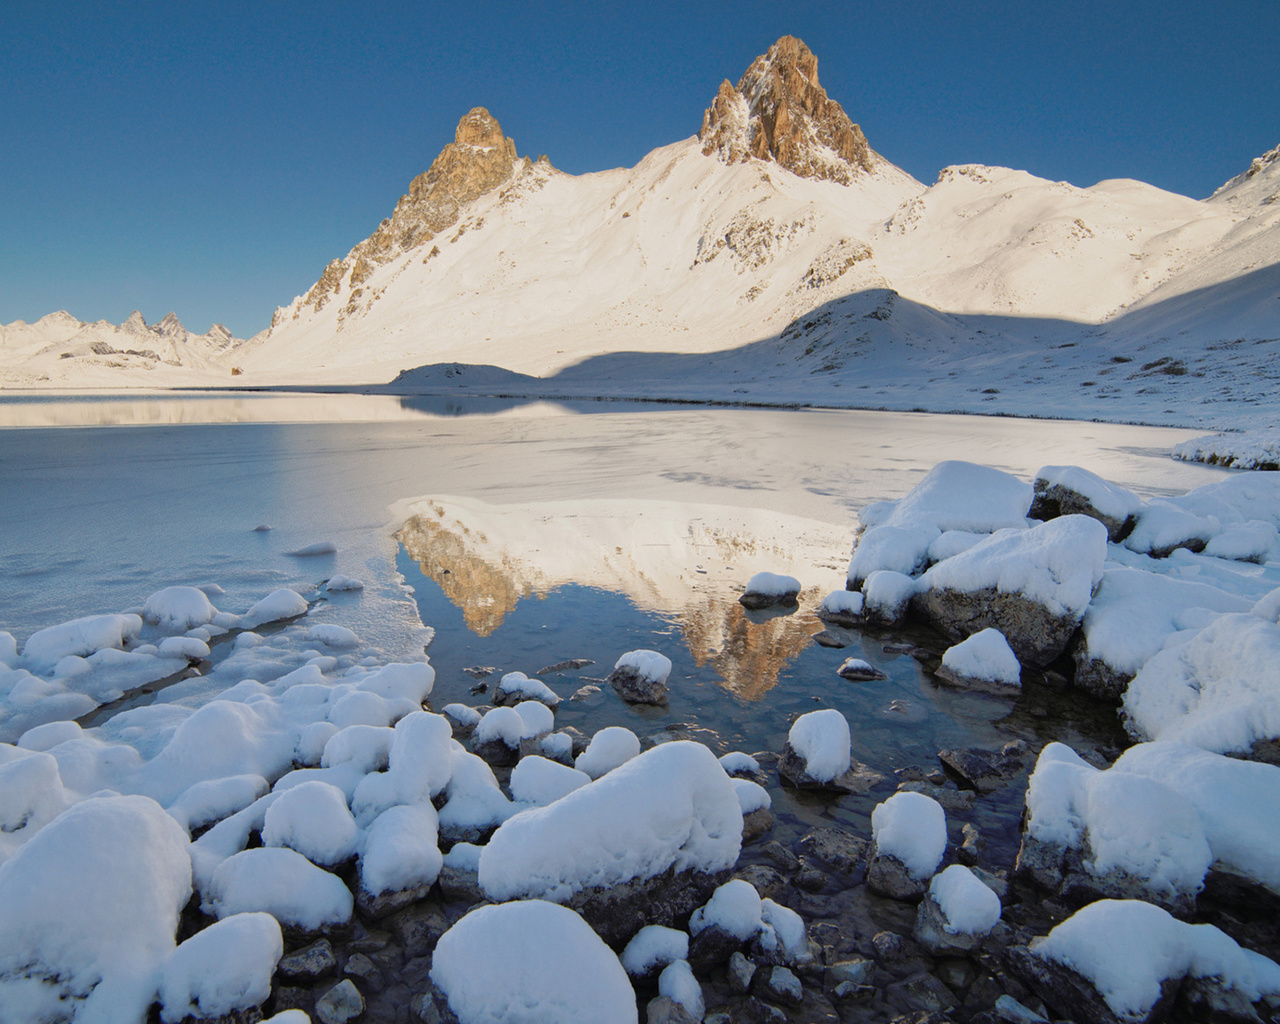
(1164,526)
(1033,585)
(313,819)
(640,845)
(276,606)
(678,984)
(530,961)
(1219,691)
(609,748)
(498,736)
(818,755)
(400,860)
(886,597)
(538,781)
(419,765)
(1260,451)
(957,912)
(78,638)
(1110,833)
(640,677)
(1128,962)
(842,608)
(952,496)
(908,840)
(282,883)
(652,948)
(1238,803)
(515,687)
(983,662)
(858,670)
(88,911)
(223,969)
(177,609)
(1131,617)
(769,590)
(1070,490)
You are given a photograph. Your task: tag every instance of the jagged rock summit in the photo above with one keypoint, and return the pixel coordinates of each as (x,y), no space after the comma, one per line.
(479,159)
(780,112)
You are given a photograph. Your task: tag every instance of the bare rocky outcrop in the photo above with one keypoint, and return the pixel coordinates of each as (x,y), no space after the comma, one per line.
(780,112)
(479,159)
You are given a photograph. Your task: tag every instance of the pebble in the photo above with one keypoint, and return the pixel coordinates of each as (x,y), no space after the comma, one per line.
(340,1004)
(783,985)
(309,963)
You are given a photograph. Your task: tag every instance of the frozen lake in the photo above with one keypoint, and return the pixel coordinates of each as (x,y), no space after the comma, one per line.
(104,500)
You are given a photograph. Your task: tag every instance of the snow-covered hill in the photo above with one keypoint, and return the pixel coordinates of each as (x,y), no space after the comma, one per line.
(777,257)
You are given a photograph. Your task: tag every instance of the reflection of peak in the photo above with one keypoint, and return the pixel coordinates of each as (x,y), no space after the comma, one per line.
(687,563)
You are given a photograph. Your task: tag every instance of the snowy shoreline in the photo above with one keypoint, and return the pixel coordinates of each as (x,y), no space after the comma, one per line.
(315,794)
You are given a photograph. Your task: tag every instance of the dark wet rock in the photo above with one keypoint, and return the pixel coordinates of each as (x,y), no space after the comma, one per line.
(840,617)
(480,671)
(839,849)
(983,770)
(368,942)
(1096,676)
(856,973)
(951,798)
(340,1004)
(996,882)
(584,692)
(826,638)
(496,753)
(855,670)
(462,726)
(418,928)
(637,688)
(292,997)
(1069,994)
(765,880)
(781,984)
(888,876)
(713,947)
(741,971)
(921,992)
(377,907)
(1036,633)
(459,885)
(971,846)
(757,1011)
(251,1015)
(617,912)
(780,855)
(889,946)
(479,688)
(756,824)
(1056,499)
(1011,1011)
(309,963)
(794,769)
(576,736)
(665,1010)
(364,970)
(809,879)
(570,665)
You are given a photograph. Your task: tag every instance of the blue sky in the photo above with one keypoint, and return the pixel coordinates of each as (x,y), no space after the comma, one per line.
(211,158)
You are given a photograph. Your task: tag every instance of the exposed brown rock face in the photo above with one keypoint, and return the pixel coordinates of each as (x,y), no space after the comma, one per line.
(779,112)
(479,159)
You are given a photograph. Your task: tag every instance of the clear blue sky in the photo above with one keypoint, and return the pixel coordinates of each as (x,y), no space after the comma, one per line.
(211,158)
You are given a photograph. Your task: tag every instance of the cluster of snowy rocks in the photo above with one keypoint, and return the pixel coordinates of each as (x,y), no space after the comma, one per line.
(315,842)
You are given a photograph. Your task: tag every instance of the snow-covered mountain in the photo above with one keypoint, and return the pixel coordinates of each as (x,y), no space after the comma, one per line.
(777,256)
(59,348)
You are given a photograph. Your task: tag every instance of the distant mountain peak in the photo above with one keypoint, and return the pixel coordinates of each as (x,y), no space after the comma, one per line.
(778,111)
(135,323)
(479,159)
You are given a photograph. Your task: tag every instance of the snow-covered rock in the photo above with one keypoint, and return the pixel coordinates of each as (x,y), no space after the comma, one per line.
(1220,690)
(984,661)
(537,781)
(1125,960)
(399,861)
(609,748)
(768,589)
(224,968)
(175,609)
(282,883)
(1111,833)
(515,687)
(1033,585)
(640,677)
(78,638)
(909,838)
(89,908)
(652,948)
(532,961)
(842,608)
(1260,451)
(817,751)
(313,819)
(629,849)
(1070,490)
(1132,616)
(957,912)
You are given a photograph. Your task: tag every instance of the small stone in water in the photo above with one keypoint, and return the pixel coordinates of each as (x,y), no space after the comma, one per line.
(828,639)
(480,671)
(573,664)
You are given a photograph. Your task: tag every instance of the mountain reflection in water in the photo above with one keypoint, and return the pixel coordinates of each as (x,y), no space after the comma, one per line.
(687,563)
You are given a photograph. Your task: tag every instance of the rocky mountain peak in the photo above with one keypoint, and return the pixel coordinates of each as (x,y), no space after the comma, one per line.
(134,323)
(778,111)
(479,159)
(169,326)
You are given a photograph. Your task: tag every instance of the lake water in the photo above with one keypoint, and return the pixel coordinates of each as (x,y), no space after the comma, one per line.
(518,535)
